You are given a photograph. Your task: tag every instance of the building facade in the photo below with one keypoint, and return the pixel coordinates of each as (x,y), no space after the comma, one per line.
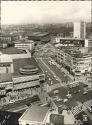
(75,61)
(24,45)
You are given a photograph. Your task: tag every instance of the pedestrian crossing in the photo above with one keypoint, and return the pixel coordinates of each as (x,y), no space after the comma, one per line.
(76,110)
(88,103)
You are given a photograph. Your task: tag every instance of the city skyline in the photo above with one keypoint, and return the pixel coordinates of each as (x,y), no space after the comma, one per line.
(29,12)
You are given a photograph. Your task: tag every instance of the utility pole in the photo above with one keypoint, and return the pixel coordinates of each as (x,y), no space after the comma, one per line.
(91,15)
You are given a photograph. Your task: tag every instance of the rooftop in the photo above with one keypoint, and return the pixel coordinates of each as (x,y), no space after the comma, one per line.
(68,115)
(21,63)
(12,50)
(35,114)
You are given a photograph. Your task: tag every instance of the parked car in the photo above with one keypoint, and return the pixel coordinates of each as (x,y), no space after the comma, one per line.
(85,92)
(89,109)
(56,91)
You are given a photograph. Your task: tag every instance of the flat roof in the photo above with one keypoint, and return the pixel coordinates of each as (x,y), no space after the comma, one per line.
(21,63)
(68,115)
(34,114)
(12,50)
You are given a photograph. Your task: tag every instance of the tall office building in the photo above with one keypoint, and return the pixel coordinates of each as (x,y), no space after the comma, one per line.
(79,30)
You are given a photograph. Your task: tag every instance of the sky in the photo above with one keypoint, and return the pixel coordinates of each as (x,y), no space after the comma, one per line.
(28,12)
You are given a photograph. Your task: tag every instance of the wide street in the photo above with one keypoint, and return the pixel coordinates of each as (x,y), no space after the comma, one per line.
(54,75)
(53,72)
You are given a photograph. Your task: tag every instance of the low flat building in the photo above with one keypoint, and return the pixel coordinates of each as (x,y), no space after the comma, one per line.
(68,118)
(34,115)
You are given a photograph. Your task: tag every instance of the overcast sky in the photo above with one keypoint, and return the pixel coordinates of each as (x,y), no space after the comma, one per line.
(23,12)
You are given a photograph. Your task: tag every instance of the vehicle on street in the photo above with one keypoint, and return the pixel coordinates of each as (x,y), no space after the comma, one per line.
(65,100)
(75,92)
(84,92)
(89,109)
(85,119)
(54,98)
(56,91)
(51,82)
(59,99)
(69,96)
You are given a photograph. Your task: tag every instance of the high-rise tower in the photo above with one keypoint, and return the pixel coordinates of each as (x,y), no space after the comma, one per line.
(80,30)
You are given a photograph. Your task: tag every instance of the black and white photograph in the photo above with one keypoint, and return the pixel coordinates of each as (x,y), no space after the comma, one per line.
(46,62)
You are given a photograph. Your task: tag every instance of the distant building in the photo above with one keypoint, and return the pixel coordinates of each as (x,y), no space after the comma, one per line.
(69,42)
(5,37)
(80,30)
(37,36)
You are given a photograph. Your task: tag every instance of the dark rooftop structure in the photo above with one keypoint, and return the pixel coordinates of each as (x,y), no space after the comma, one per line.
(9,118)
(38,36)
(56,119)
